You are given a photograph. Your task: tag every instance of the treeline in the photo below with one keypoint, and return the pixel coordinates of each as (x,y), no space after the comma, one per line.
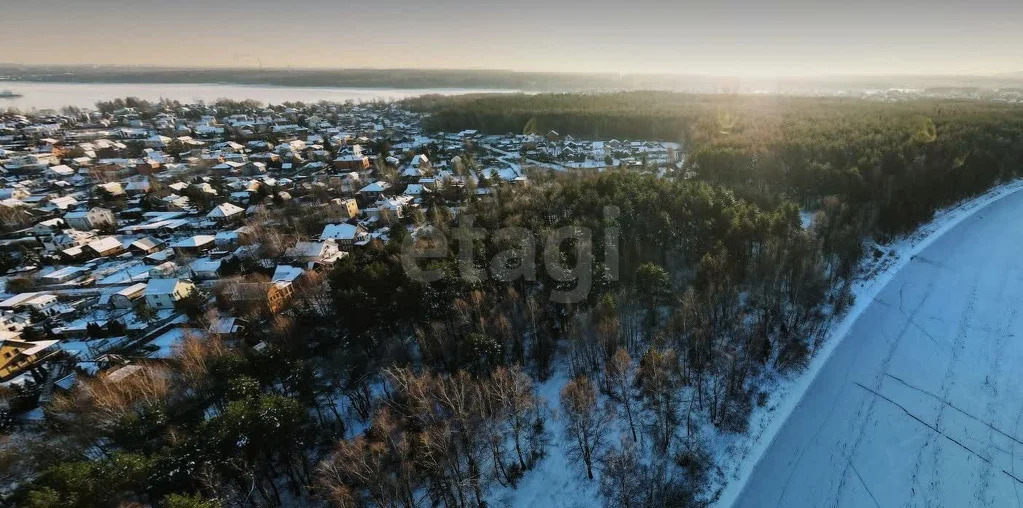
(636,115)
(895,162)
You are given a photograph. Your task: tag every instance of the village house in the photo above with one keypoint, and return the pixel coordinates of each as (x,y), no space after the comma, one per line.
(165,293)
(349,208)
(59,171)
(346,235)
(145,246)
(48,228)
(373,191)
(67,239)
(18,356)
(136,187)
(351,162)
(227,326)
(314,254)
(41,302)
(194,245)
(350,182)
(229,167)
(282,287)
(17,193)
(225,212)
(415,190)
(106,246)
(113,189)
(174,202)
(229,239)
(420,161)
(204,268)
(126,298)
(393,210)
(93,218)
(14,321)
(62,202)
(66,274)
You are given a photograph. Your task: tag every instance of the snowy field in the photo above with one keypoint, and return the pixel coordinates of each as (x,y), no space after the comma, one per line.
(917,399)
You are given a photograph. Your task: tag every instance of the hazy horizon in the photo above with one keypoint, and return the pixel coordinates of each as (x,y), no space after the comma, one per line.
(784,38)
(822,76)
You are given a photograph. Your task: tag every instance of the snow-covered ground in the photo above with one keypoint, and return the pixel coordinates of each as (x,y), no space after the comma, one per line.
(557,481)
(916,398)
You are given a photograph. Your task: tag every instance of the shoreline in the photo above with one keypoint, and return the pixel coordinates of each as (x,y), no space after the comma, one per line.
(879,275)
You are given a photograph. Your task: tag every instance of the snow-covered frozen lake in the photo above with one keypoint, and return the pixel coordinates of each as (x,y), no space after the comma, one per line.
(37,96)
(921,404)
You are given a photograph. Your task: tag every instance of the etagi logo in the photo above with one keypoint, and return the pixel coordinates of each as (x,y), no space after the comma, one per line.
(568,257)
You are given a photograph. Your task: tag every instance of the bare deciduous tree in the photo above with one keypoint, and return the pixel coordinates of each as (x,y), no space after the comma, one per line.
(586,421)
(618,378)
(622,476)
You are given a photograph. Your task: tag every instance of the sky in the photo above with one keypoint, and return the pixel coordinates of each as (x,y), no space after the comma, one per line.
(723,37)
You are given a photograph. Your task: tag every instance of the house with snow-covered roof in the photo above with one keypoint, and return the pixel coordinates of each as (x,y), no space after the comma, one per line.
(63,202)
(194,245)
(351,162)
(392,210)
(344,234)
(350,181)
(282,286)
(105,246)
(313,254)
(349,207)
(43,302)
(145,245)
(165,293)
(375,189)
(205,268)
(59,171)
(93,218)
(225,212)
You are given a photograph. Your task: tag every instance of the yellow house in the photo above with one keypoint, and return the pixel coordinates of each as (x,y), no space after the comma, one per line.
(17,356)
(349,208)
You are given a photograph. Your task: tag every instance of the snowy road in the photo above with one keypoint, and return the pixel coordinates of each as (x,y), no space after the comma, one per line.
(921,404)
